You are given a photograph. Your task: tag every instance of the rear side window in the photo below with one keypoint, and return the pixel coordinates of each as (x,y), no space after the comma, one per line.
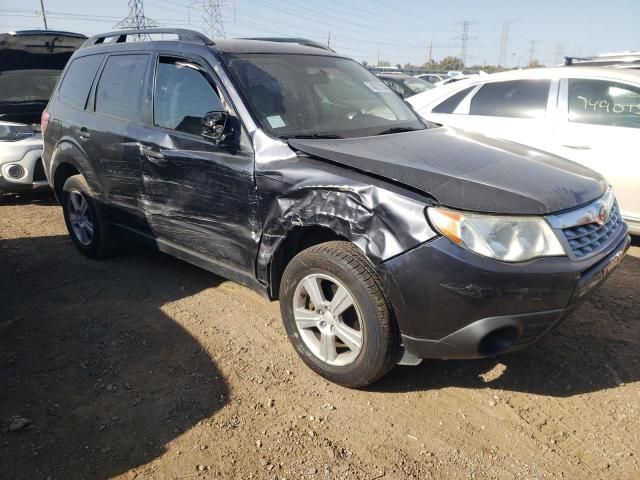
(600,102)
(451,103)
(76,83)
(183,96)
(121,88)
(514,99)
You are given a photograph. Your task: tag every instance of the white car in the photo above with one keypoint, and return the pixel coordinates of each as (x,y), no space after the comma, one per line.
(30,63)
(590,115)
(433,78)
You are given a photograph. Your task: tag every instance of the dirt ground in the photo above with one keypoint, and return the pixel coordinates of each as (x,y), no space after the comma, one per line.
(142,366)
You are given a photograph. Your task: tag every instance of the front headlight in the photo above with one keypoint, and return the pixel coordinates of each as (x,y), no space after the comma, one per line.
(505,238)
(10,132)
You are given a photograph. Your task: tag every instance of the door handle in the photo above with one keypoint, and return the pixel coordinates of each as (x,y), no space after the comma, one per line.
(151,153)
(578,147)
(83,132)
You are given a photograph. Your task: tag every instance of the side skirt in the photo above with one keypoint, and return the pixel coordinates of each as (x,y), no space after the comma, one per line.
(197,259)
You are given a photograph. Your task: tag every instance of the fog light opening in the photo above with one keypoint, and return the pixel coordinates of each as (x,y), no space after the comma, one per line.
(16,171)
(498,341)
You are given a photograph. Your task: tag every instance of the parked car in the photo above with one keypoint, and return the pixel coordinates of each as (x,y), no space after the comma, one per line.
(405,85)
(586,114)
(30,64)
(433,78)
(296,172)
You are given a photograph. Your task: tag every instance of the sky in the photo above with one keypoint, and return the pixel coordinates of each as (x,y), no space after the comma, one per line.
(393,30)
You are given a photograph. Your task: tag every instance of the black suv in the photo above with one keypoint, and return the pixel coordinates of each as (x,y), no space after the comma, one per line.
(294,171)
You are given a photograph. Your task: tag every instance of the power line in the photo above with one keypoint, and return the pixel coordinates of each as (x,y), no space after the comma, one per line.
(44,15)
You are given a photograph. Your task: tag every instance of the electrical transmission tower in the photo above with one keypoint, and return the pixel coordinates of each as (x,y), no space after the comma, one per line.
(136,17)
(532,51)
(464,39)
(504,42)
(212,23)
(559,56)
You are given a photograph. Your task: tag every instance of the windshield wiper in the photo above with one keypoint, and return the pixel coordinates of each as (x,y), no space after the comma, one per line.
(398,130)
(312,135)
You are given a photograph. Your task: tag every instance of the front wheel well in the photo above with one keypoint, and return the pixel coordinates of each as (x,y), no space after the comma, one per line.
(62,173)
(296,240)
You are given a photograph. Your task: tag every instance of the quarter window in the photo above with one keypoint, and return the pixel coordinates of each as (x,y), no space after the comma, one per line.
(513,99)
(600,102)
(76,84)
(451,103)
(183,96)
(121,88)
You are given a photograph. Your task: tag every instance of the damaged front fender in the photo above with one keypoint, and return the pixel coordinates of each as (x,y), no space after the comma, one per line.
(298,191)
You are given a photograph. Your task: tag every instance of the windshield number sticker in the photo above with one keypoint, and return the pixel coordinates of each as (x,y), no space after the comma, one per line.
(377,87)
(276,121)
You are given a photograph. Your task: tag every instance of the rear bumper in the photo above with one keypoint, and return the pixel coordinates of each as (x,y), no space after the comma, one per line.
(451,303)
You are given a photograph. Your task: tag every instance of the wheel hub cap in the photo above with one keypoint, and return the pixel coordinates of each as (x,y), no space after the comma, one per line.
(80,218)
(328,319)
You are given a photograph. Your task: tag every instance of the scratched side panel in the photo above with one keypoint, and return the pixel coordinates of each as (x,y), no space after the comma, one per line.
(203,199)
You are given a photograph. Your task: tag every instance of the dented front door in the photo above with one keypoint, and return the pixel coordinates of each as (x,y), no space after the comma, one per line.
(198,197)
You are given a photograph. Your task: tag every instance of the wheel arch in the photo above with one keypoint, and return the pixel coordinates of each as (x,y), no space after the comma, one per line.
(69,159)
(380,223)
(296,240)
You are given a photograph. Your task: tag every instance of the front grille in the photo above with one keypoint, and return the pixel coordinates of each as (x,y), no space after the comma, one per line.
(589,239)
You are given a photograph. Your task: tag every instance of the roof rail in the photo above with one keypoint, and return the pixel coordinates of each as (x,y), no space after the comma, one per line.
(46,32)
(300,41)
(570,60)
(120,36)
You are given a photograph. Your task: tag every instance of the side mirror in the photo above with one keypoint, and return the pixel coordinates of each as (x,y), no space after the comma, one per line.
(214,125)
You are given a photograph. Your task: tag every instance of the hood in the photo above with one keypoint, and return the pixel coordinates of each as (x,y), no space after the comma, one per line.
(466,171)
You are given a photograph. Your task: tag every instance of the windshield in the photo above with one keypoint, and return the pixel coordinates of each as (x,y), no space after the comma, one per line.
(318,96)
(417,85)
(23,86)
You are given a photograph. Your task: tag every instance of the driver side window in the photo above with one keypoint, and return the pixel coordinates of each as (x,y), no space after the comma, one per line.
(183,96)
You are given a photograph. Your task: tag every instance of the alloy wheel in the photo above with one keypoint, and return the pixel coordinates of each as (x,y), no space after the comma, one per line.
(80,218)
(328,319)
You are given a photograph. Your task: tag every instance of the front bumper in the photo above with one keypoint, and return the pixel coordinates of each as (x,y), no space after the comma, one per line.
(452,303)
(25,153)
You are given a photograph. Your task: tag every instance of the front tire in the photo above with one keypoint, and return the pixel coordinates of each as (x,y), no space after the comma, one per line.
(87,229)
(337,316)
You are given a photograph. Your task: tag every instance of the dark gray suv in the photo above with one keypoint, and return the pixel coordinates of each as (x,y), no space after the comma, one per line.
(294,171)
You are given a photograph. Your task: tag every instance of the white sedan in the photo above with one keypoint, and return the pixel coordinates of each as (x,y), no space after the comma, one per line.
(588,115)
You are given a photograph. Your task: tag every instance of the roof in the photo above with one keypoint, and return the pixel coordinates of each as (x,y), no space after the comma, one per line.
(613,59)
(245,45)
(53,33)
(562,72)
(420,100)
(279,45)
(394,76)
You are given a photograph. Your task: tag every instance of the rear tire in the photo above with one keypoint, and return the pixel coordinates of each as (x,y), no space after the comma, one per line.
(87,229)
(337,316)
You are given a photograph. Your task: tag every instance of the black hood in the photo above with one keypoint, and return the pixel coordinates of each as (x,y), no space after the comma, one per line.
(466,171)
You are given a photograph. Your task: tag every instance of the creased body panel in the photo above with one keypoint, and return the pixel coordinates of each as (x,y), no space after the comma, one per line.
(296,191)
(465,171)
